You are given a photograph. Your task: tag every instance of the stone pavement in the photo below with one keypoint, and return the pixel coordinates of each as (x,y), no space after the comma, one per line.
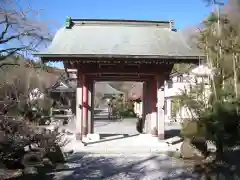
(126,126)
(122,154)
(120,136)
(125,167)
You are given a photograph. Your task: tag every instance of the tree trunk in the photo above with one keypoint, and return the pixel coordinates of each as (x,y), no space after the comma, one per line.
(209,61)
(235,74)
(219,151)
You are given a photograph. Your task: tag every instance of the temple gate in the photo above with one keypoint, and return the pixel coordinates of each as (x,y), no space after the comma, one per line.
(119,50)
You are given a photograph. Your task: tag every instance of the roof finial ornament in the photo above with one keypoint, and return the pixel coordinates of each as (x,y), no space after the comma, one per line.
(68,23)
(172,26)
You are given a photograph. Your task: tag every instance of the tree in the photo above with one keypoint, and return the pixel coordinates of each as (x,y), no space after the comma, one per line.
(15,85)
(217,117)
(20,79)
(20,32)
(20,35)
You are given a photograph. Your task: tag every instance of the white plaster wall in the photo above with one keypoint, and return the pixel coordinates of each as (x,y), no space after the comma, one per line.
(168,114)
(153,120)
(197,75)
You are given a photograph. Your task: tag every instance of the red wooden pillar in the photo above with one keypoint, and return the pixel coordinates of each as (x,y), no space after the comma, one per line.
(90,105)
(154,107)
(154,95)
(85,105)
(79,122)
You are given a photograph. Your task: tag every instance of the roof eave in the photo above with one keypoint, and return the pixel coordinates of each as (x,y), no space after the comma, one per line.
(172,57)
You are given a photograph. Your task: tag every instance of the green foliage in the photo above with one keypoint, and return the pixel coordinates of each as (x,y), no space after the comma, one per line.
(120,103)
(215,114)
(222,123)
(217,121)
(175,107)
(212,118)
(125,109)
(193,100)
(127,113)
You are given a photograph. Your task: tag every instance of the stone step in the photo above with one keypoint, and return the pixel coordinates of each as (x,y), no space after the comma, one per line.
(78,146)
(123,150)
(173,140)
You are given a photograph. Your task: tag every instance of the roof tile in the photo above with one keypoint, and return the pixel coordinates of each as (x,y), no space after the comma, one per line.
(119,39)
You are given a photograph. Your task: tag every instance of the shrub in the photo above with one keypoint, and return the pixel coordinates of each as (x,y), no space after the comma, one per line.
(127,113)
(218,123)
(222,124)
(16,136)
(34,111)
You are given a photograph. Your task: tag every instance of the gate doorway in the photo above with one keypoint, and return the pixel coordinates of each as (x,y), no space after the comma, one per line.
(120,50)
(115,108)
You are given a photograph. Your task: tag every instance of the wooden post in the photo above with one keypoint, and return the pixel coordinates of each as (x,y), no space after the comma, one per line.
(79,122)
(154,129)
(93,105)
(85,105)
(160,109)
(90,105)
(144,106)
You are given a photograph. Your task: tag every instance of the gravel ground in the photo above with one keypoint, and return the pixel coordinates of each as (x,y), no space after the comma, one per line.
(124,167)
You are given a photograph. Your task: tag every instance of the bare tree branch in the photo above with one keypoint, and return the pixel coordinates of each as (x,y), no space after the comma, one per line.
(6,28)
(26,33)
(20,32)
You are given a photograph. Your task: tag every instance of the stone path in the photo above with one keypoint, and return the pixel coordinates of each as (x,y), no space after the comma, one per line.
(125,126)
(131,157)
(125,167)
(119,137)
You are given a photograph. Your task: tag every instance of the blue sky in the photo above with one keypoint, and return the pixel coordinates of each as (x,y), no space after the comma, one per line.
(185,13)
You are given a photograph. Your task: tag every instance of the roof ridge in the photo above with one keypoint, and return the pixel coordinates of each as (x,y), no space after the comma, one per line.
(167,24)
(122,20)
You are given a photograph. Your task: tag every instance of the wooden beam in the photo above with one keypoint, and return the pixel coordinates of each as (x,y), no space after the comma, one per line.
(120,74)
(121,79)
(104,57)
(118,68)
(146,70)
(126,59)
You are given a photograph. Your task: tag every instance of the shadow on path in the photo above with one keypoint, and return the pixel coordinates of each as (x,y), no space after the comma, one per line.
(97,111)
(104,119)
(121,168)
(152,167)
(171,133)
